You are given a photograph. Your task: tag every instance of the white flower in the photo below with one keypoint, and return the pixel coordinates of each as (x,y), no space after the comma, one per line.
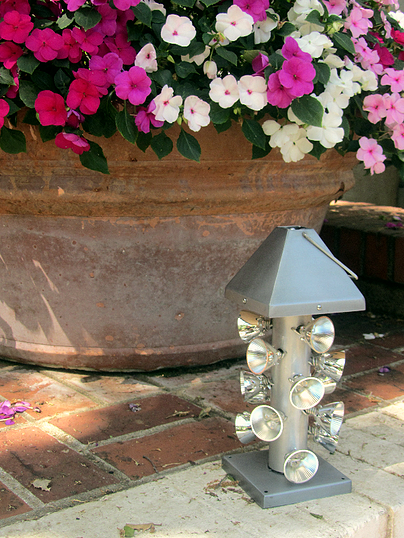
(234,24)
(333,95)
(196,112)
(367,79)
(293,118)
(296,148)
(332,60)
(314,44)
(199,58)
(398,16)
(263,29)
(178,30)
(167,105)
(330,134)
(270,127)
(283,135)
(210,69)
(345,82)
(155,6)
(253,92)
(305,27)
(224,91)
(306,6)
(147,58)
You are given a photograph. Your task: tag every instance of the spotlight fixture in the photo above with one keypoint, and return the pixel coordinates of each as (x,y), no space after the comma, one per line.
(251,325)
(261,356)
(330,364)
(328,382)
(264,423)
(319,334)
(300,466)
(329,417)
(306,392)
(324,438)
(254,388)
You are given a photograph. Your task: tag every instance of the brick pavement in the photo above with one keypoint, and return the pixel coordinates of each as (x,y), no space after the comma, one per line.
(87,442)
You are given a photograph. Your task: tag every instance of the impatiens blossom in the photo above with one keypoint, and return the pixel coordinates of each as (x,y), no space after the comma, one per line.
(255,8)
(394,78)
(147,58)
(15,27)
(277,94)
(234,24)
(145,117)
(330,133)
(297,76)
(314,44)
(4,110)
(358,21)
(167,105)
(371,154)
(76,143)
(375,107)
(263,28)
(196,112)
(110,64)
(253,92)
(9,54)
(398,137)
(210,69)
(133,85)
(394,104)
(83,95)
(224,91)
(45,44)
(51,108)
(178,30)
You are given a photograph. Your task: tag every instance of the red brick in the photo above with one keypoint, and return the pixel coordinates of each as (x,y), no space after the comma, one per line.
(386,387)
(376,256)
(353,402)
(29,453)
(181,444)
(39,390)
(99,424)
(391,341)
(360,358)
(399,260)
(11,505)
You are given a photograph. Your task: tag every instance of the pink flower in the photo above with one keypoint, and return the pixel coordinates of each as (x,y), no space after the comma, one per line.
(398,136)
(394,78)
(9,54)
(259,63)
(196,112)
(15,27)
(124,5)
(4,110)
(98,78)
(71,49)
(297,76)
(45,44)
(335,7)
(358,21)
(121,46)
(374,105)
(394,104)
(89,41)
(74,5)
(84,95)
(291,50)
(133,85)
(145,116)
(255,8)
(51,108)
(277,94)
(22,6)
(75,142)
(110,64)
(107,25)
(371,154)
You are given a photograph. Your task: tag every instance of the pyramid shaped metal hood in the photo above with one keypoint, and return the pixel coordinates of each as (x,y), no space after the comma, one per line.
(293,273)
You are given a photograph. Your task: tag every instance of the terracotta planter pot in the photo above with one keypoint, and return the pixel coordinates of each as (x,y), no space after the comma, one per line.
(127,271)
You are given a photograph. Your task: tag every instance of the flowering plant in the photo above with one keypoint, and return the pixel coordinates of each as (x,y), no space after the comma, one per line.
(303,75)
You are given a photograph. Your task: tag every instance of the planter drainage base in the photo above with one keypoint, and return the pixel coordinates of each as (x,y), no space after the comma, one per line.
(270,489)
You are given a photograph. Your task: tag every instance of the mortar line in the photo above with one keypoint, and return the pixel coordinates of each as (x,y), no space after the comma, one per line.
(21,491)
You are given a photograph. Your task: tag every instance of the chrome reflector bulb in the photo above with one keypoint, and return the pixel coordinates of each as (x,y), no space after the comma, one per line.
(243,428)
(329,417)
(330,364)
(318,334)
(266,423)
(254,388)
(261,356)
(306,392)
(251,326)
(323,438)
(300,466)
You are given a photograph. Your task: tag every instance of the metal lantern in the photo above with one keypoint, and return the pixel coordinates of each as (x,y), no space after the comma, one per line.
(288,280)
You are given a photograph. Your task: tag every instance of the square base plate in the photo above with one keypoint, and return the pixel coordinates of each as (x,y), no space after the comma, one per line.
(269,488)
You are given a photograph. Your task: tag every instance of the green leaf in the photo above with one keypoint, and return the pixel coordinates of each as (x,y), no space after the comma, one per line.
(218,114)
(65,20)
(30,117)
(12,141)
(162,145)
(143,140)
(188,146)
(345,125)
(143,13)
(43,80)
(87,17)
(185,3)
(286,29)
(309,110)
(49,132)
(258,153)
(315,18)
(62,81)
(253,132)
(13,107)
(317,150)
(323,73)
(6,77)
(134,31)
(126,126)
(227,55)
(162,77)
(343,41)
(183,69)
(94,159)
(210,2)
(28,63)
(4,89)
(28,93)
(222,127)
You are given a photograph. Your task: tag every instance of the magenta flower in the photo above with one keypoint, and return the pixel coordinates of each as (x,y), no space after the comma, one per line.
(133,85)
(22,6)
(259,63)
(71,49)
(74,5)
(291,50)
(107,25)
(255,8)
(12,92)
(45,44)
(371,154)
(110,64)
(15,27)
(297,76)
(83,95)
(121,46)
(8,410)
(96,77)
(74,118)
(4,110)
(124,5)
(76,143)
(145,116)
(277,94)
(9,54)
(51,108)
(89,41)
